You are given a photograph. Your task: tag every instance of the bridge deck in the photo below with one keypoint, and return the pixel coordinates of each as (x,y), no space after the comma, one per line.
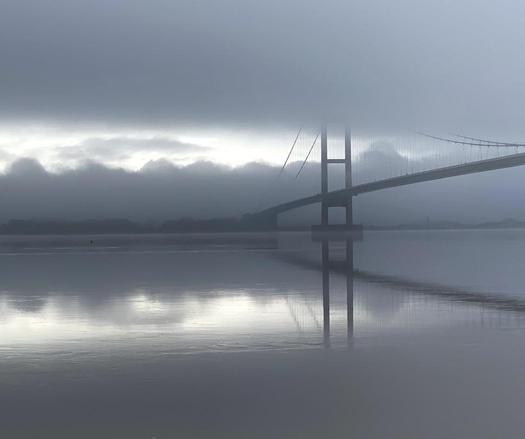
(337,196)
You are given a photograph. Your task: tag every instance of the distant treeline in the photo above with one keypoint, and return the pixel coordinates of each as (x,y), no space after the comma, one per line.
(453,225)
(40,227)
(192,225)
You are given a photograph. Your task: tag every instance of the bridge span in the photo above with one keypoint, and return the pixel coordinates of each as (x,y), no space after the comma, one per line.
(342,196)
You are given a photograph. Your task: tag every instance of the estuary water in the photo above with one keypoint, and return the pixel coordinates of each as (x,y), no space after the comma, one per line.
(258,336)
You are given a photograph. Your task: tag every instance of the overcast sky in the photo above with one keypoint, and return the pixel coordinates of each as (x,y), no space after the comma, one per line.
(126,82)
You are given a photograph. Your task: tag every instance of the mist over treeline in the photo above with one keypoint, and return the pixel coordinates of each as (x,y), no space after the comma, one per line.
(126,226)
(161,191)
(213,225)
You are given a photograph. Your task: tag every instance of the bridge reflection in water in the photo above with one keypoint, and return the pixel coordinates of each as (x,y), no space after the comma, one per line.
(348,270)
(251,298)
(385,304)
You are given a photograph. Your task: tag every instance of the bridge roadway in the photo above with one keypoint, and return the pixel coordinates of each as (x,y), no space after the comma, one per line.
(338,197)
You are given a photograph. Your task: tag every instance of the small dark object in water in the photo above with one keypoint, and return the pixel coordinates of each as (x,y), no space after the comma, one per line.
(91,241)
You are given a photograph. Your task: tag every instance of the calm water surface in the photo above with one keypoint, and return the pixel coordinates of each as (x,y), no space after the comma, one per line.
(228,336)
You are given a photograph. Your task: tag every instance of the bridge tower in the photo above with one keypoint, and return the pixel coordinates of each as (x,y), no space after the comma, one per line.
(326,203)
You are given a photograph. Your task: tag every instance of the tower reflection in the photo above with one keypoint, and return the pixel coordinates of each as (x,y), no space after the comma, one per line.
(327,265)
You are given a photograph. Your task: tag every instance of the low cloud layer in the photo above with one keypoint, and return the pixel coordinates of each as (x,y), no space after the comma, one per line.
(161,191)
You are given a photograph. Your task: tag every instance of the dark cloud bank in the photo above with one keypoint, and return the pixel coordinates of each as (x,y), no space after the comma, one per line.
(453,65)
(162,191)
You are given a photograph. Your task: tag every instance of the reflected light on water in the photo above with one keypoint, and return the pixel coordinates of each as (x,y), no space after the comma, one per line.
(233,316)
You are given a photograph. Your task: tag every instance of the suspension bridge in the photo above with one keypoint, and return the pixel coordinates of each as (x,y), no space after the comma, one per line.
(420,158)
(402,162)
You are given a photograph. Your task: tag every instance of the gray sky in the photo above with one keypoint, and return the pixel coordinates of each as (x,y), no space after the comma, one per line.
(257,64)
(126,82)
